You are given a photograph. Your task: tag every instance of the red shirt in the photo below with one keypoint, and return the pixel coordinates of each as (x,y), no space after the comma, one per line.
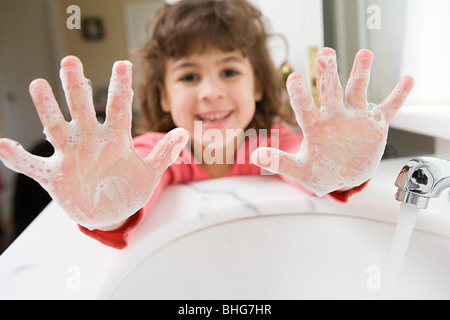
(187,169)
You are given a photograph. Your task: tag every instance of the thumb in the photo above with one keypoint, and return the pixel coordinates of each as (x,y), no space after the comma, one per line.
(278,161)
(167,150)
(14,157)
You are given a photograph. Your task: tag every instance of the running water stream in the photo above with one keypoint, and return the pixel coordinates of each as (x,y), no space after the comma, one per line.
(405,226)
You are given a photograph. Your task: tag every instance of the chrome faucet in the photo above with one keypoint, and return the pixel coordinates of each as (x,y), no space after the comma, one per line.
(421,179)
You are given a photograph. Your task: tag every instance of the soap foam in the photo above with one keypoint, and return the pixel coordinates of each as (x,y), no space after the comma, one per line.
(107,202)
(324,172)
(99,199)
(326,175)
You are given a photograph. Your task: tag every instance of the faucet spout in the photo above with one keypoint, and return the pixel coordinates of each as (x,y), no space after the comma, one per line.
(421,179)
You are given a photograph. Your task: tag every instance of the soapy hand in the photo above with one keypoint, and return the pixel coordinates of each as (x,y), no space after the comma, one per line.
(95,174)
(344,139)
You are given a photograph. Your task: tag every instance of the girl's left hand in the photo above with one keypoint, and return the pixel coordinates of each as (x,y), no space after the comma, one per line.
(344,139)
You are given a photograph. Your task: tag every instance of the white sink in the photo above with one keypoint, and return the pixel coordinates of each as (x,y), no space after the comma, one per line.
(303,256)
(239,238)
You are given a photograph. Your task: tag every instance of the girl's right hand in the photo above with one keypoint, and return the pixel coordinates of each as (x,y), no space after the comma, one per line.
(95,174)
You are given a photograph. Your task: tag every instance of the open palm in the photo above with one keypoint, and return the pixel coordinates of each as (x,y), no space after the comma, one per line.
(95,174)
(344,139)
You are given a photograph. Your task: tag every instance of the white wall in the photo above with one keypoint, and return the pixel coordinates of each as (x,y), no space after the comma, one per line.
(412,38)
(301,22)
(426,51)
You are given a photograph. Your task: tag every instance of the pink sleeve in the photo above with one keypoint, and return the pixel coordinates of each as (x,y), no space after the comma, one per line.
(117,238)
(340,196)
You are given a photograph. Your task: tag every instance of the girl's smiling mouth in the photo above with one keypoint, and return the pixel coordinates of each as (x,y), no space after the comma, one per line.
(213,119)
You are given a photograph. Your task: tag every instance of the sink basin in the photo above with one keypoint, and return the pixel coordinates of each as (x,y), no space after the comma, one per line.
(304,256)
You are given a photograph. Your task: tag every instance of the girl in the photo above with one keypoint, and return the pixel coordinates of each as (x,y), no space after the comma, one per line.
(207,74)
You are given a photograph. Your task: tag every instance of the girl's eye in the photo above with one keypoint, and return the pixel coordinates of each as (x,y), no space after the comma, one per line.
(229,73)
(191,77)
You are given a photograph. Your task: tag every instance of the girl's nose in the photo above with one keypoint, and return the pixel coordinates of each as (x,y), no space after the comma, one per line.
(211,90)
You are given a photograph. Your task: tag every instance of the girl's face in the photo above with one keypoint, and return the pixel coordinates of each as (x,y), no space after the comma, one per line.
(212,90)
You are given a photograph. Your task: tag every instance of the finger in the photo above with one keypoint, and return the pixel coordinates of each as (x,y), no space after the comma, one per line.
(55,126)
(78,92)
(277,161)
(302,102)
(14,156)
(393,102)
(120,96)
(167,149)
(328,84)
(356,89)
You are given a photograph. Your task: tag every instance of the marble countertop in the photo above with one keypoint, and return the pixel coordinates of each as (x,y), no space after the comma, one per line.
(52,259)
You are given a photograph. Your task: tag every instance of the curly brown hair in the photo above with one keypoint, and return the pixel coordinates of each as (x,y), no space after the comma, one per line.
(191,26)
